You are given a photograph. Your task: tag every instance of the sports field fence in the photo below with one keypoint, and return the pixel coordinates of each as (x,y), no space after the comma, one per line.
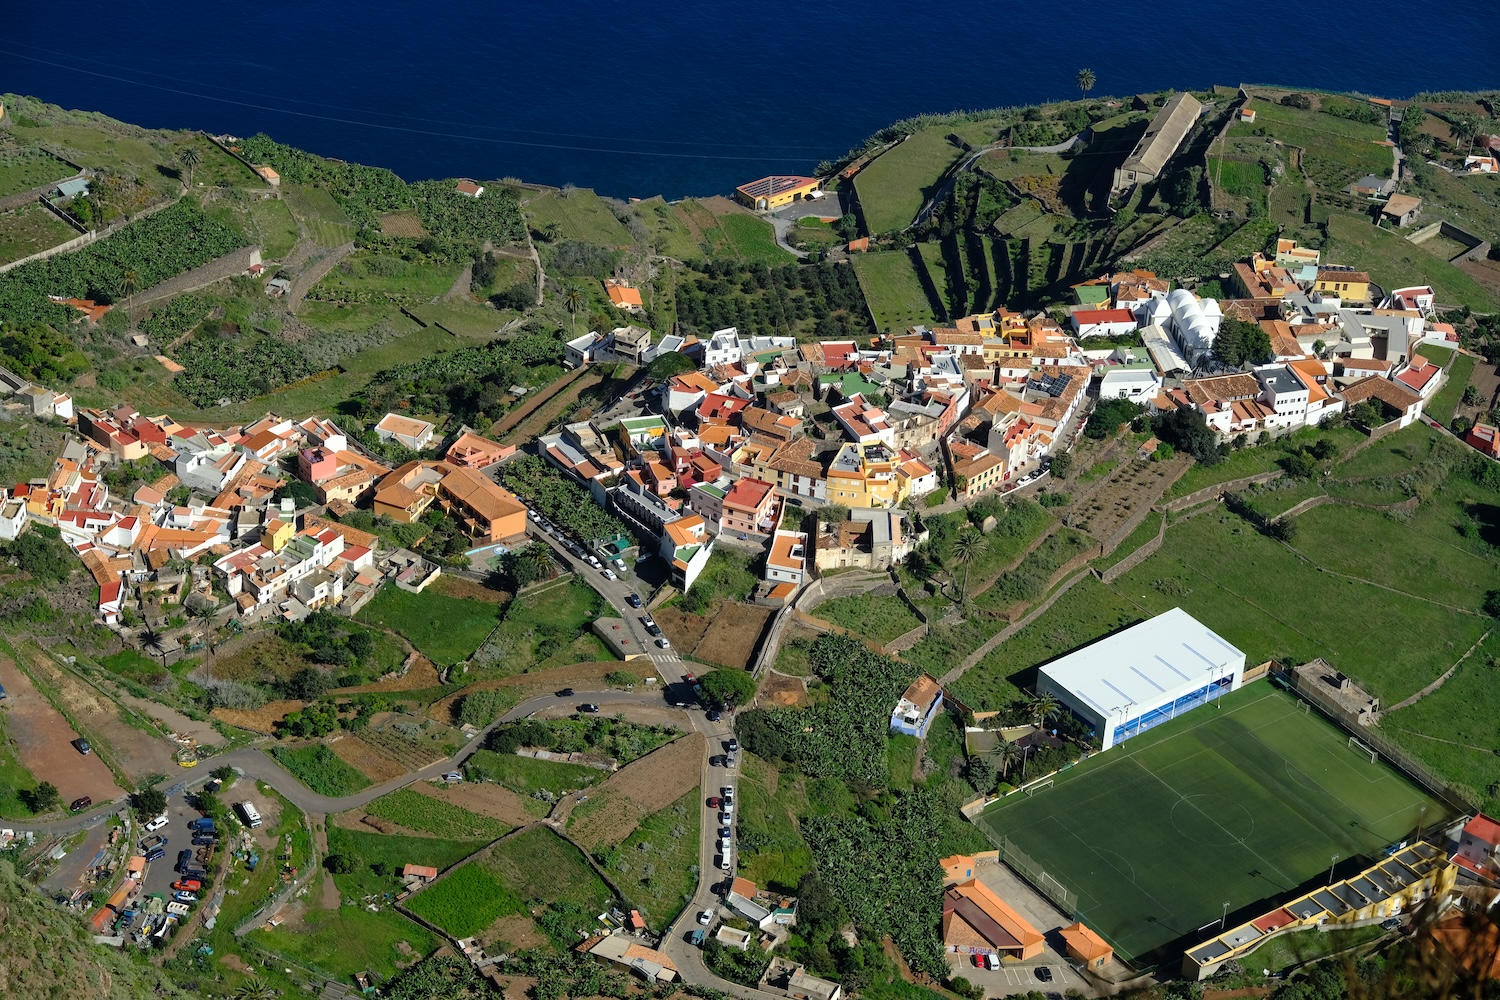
(1371,740)
(1037,877)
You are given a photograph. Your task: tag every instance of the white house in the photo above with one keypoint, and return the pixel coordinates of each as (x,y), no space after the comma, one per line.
(1129,382)
(12,519)
(408,431)
(918,706)
(787,560)
(1103,322)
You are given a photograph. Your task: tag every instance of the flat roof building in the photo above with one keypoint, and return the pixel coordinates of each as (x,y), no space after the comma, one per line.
(1143,676)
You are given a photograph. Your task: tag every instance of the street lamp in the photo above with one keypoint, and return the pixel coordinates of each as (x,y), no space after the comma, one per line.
(1223,916)
(1331,862)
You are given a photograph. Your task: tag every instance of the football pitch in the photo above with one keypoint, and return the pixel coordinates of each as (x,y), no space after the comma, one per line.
(1241,804)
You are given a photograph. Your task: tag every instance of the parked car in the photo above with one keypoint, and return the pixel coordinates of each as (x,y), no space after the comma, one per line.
(204,840)
(714,715)
(157,823)
(82,746)
(184,897)
(647,621)
(153,841)
(156,854)
(728,792)
(634,600)
(453,777)
(82,802)
(689,677)
(654,629)
(187,885)
(725,831)
(184,860)
(717,760)
(706,917)
(203,824)
(664,642)
(731,744)
(588,707)
(1043,974)
(713,802)
(724,864)
(696,936)
(726,808)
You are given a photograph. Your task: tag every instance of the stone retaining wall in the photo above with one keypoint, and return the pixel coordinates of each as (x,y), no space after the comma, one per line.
(1137,557)
(1218,489)
(315,273)
(227,266)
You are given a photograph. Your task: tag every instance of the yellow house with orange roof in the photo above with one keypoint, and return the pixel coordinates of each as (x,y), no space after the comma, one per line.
(275,533)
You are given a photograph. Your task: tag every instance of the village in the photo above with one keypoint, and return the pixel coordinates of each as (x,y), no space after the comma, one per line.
(771,664)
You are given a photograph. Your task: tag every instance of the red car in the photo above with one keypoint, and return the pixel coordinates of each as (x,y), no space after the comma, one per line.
(187,885)
(689,678)
(713,802)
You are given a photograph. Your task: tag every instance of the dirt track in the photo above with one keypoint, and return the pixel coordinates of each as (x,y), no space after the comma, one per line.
(43,738)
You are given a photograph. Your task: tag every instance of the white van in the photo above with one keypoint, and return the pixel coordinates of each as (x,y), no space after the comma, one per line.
(252,817)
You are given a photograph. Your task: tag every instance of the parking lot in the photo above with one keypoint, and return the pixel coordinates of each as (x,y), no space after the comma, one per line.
(1021,977)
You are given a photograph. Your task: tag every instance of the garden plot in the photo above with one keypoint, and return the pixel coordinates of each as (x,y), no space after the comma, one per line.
(652,783)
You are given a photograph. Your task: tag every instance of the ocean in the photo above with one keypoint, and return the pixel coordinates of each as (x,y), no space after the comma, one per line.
(683,97)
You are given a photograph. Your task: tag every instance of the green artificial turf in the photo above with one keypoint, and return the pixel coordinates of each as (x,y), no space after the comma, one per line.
(1243,802)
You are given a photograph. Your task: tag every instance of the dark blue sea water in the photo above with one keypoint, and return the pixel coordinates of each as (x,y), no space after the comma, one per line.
(683,97)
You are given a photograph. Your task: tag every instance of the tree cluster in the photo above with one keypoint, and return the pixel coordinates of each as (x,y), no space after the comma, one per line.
(1240,343)
(760,299)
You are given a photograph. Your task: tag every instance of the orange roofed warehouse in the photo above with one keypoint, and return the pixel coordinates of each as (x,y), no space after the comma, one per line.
(777,191)
(978,922)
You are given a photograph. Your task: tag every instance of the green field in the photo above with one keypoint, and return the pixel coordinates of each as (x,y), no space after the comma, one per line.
(528,775)
(425,814)
(30,229)
(540,629)
(448,629)
(537,864)
(29,167)
(893,291)
(656,866)
(1338,151)
(580,214)
(1395,263)
(1244,802)
(880,619)
(266,222)
(892,189)
(1445,403)
(350,939)
(465,902)
(368,848)
(670,235)
(317,768)
(325,220)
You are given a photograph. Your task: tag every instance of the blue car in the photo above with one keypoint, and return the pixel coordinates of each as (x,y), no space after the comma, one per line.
(184,859)
(156,854)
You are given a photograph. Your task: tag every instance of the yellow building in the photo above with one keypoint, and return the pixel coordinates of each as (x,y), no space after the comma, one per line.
(1347,284)
(777,191)
(863,476)
(1394,886)
(275,533)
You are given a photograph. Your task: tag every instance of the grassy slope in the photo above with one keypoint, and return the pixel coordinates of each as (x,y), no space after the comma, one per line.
(892,189)
(581,215)
(447,629)
(893,290)
(1395,263)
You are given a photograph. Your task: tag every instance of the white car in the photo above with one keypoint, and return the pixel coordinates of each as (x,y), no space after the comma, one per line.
(609,574)
(706,917)
(157,823)
(664,642)
(724,864)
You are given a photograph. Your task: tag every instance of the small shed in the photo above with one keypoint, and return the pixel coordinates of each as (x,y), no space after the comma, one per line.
(1402,209)
(73,187)
(1086,947)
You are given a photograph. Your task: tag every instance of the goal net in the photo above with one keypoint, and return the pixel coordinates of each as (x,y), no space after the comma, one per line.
(1044,783)
(1358,747)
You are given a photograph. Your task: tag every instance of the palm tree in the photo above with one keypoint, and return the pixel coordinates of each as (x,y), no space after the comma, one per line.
(255,988)
(574,301)
(538,558)
(1086,81)
(190,158)
(1465,125)
(966,548)
(1045,706)
(130,283)
(1009,756)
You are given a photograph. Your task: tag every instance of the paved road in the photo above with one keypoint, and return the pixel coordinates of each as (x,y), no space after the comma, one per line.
(973,158)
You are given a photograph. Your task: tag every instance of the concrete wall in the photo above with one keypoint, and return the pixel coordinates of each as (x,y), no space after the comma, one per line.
(227,266)
(1211,492)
